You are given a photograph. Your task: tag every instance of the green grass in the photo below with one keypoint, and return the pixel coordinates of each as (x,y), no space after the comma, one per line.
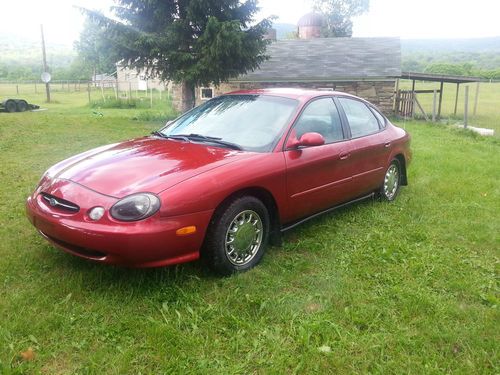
(407,287)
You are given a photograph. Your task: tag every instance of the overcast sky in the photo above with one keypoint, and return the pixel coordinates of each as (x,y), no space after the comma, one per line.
(403,18)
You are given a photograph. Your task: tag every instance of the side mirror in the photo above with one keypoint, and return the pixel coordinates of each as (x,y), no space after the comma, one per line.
(307,140)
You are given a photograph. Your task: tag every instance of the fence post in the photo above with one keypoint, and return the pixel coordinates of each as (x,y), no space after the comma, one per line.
(130,92)
(88,91)
(17,89)
(413,97)
(151,91)
(116,90)
(466,106)
(434,106)
(36,91)
(102,93)
(476,98)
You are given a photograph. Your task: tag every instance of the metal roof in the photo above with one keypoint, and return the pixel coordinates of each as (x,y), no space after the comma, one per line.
(329,59)
(431,77)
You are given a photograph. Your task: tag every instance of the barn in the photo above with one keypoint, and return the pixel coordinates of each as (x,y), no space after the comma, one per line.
(366,67)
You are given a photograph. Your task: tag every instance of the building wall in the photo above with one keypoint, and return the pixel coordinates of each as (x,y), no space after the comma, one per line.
(380,93)
(133,80)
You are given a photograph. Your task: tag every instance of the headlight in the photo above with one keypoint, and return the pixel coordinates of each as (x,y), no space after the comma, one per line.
(135,207)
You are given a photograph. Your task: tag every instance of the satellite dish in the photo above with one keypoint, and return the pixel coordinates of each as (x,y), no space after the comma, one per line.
(46,77)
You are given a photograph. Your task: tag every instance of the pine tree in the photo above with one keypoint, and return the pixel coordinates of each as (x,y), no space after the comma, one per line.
(191,42)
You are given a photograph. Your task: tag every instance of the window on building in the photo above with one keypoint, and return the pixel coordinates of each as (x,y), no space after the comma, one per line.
(206,93)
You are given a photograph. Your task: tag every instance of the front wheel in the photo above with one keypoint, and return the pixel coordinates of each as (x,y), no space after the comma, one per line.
(237,236)
(392,181)
(22,106)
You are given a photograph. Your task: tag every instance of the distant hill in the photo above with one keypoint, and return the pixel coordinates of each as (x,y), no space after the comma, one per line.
(18,51)
(478,56)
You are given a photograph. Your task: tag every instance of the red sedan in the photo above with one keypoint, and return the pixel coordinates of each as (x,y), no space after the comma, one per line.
(222,180)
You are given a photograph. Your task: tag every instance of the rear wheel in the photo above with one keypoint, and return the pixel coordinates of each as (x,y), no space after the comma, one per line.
(22,106)
(237,236)
(392,181)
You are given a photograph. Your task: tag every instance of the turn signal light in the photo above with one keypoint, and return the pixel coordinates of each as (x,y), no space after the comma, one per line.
(186,231)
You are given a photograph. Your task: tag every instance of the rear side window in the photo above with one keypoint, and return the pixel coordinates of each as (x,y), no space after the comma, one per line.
(361,119)
(380,118)
(321,116)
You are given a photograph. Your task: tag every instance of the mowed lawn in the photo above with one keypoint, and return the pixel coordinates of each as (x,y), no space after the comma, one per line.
(406,287)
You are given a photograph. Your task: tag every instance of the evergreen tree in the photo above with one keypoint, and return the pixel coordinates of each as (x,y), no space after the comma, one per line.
(192,42)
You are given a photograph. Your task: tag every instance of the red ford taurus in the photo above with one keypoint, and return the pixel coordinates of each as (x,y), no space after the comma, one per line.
(221,181)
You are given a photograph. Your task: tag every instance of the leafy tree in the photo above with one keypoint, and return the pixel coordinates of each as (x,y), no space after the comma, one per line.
(95,52)
(338,15)
(192,42)
(465,69)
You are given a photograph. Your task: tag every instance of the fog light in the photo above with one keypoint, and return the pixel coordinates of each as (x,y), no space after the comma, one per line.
(96,213)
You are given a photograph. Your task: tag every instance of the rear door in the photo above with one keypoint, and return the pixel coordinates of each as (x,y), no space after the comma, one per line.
(318,177)
(369,145)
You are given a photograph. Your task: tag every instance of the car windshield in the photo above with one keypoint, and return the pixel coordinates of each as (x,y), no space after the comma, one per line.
(247,122)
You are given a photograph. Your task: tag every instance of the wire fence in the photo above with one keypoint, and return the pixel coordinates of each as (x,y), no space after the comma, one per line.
(94,91)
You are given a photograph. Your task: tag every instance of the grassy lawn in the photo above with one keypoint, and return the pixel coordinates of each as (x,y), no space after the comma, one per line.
(407,287)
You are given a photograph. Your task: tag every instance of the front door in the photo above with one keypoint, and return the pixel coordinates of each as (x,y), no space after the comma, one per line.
(318,177)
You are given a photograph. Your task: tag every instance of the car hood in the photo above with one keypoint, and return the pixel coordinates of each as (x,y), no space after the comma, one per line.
(142,165)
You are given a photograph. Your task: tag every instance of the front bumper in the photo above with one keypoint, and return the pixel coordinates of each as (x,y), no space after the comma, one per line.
(152,242)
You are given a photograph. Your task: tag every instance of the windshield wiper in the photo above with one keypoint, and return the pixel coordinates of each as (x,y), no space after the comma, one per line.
(176,137)
(205,138)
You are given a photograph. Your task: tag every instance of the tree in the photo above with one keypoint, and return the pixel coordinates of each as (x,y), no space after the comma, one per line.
(95,50)
(191,42)
(338,15)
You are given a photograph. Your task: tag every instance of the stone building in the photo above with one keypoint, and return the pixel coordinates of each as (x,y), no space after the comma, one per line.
(366,67)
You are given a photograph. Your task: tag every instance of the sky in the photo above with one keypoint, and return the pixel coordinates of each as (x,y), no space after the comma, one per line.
(400,18)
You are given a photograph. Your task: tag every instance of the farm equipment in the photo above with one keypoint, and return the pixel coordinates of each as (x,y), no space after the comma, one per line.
(16,105)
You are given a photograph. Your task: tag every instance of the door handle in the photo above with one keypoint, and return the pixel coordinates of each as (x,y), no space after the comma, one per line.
(344,155)
(387,144)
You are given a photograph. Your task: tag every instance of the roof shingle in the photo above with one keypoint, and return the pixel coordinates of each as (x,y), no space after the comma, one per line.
(329,59)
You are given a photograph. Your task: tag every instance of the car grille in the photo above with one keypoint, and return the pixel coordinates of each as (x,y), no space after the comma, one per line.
(60,203)
(87,253)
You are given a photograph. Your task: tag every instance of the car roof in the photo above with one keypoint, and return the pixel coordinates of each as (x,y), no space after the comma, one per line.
(292,93)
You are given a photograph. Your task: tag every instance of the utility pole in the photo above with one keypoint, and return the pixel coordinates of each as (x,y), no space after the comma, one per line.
(45,68)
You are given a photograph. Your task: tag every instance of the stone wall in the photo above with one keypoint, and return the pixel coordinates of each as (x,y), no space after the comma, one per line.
(380,93)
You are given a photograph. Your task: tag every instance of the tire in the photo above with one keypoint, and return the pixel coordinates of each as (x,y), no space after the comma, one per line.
(237,236)
(22,106)
(10,106)
(392,181)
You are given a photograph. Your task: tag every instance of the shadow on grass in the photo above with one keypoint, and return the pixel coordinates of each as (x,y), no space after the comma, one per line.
(173,283)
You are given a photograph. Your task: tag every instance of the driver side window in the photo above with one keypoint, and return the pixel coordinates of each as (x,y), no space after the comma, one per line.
(321,116)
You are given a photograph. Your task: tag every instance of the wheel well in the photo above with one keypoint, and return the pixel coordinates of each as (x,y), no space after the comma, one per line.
(268,199)
(402,162)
